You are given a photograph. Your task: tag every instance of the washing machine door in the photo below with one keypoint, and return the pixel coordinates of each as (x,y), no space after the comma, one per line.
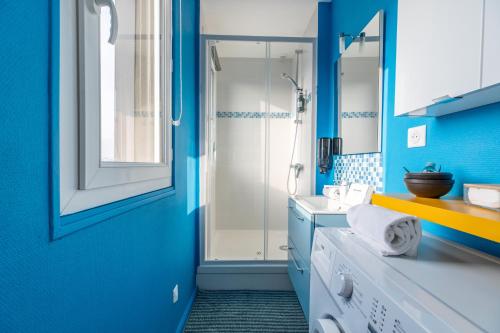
(326,325)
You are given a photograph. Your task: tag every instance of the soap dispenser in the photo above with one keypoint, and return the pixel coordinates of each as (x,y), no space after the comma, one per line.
(325,152)
(327,147)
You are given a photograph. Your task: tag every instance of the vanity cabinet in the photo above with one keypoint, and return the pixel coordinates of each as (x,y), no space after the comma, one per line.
(301,225)
(491,47)
(442,64)
(300,233)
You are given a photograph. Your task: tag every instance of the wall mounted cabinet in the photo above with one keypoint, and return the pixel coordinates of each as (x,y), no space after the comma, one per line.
(446,53)
(491,47)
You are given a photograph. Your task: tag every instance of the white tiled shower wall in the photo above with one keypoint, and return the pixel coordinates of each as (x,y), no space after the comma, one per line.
(240,174)
(241,143)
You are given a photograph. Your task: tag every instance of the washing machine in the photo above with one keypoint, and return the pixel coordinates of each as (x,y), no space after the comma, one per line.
(446,288)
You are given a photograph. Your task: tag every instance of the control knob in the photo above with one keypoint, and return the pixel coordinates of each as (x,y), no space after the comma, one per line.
(326,325)
(343,285)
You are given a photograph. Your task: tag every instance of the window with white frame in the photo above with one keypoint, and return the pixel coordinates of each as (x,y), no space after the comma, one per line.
(115,100)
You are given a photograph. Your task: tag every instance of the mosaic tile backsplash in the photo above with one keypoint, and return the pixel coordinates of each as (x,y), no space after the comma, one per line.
(352,115)
(253,115)
(360,168)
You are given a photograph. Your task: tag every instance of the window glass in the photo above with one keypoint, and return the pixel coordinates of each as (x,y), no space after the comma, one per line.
(131,82)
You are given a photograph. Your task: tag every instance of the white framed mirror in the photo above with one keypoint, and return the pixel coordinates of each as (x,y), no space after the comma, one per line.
(359,89)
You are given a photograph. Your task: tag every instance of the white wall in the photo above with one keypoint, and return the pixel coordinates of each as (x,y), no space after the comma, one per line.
(239,182)
(257,17)
(312,26)
(241,85)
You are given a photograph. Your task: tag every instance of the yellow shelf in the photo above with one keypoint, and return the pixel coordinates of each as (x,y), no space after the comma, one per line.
(454,214)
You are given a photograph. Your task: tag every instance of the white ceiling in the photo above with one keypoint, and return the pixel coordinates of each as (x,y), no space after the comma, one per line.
(297,18)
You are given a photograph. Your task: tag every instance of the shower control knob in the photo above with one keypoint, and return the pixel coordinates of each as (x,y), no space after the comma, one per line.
(343,285)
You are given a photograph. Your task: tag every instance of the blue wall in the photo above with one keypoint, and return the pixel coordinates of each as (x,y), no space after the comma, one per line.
(118,275)
(465,143)
(324,127)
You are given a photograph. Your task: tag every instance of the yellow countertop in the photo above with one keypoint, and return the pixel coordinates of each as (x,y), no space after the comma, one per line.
(452,213)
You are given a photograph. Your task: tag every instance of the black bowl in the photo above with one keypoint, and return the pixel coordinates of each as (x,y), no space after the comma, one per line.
(429,181)
(429,189)
(428,175)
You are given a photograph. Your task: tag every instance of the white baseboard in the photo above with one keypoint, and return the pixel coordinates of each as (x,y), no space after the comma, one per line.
(223,277)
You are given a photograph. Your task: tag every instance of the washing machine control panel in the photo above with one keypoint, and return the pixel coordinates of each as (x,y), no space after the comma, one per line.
(364,306)
(344,284)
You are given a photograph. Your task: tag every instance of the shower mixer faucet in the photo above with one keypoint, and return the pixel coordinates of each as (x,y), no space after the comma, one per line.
(301,101)
(297,168)
(301,96)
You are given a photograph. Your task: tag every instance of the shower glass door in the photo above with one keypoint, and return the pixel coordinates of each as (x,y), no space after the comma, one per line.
(250,126)
(238,204)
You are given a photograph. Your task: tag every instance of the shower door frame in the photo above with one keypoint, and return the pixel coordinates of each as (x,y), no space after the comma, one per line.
(264,266)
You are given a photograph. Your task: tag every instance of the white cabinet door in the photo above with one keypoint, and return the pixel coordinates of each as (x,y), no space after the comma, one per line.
(438,51)
(491,46)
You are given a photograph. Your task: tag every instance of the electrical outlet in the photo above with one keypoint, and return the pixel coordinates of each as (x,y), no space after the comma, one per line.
(416,136)
(175,294)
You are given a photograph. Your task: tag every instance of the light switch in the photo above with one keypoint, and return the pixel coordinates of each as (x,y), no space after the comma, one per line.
(416,136)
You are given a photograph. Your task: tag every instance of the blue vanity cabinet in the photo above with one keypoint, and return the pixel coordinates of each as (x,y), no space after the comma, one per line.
(300,233)
(299,274)
(301,226)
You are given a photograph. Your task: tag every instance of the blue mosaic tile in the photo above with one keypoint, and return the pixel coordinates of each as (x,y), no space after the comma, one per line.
(352,115)
(254,115)
(361,168)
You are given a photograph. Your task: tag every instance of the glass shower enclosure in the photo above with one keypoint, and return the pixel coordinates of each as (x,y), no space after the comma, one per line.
(250,121)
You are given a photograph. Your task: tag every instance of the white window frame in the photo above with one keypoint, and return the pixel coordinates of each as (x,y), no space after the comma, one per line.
(85,181)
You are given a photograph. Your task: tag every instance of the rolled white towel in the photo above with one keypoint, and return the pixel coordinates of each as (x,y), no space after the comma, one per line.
(389,232)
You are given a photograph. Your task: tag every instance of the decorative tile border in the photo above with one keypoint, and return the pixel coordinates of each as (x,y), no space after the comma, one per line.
(361,168)
(253,115)
(352,115)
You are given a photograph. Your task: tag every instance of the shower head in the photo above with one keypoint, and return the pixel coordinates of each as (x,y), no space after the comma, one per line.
(289,78)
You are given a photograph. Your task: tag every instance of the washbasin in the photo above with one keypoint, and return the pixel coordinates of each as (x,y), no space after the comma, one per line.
(320,204)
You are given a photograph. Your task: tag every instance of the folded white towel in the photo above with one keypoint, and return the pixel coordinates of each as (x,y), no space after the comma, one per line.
(389,232)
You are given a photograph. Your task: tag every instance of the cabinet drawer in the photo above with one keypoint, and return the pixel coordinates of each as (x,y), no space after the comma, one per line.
(300,230)
(337,221)
(299,273)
